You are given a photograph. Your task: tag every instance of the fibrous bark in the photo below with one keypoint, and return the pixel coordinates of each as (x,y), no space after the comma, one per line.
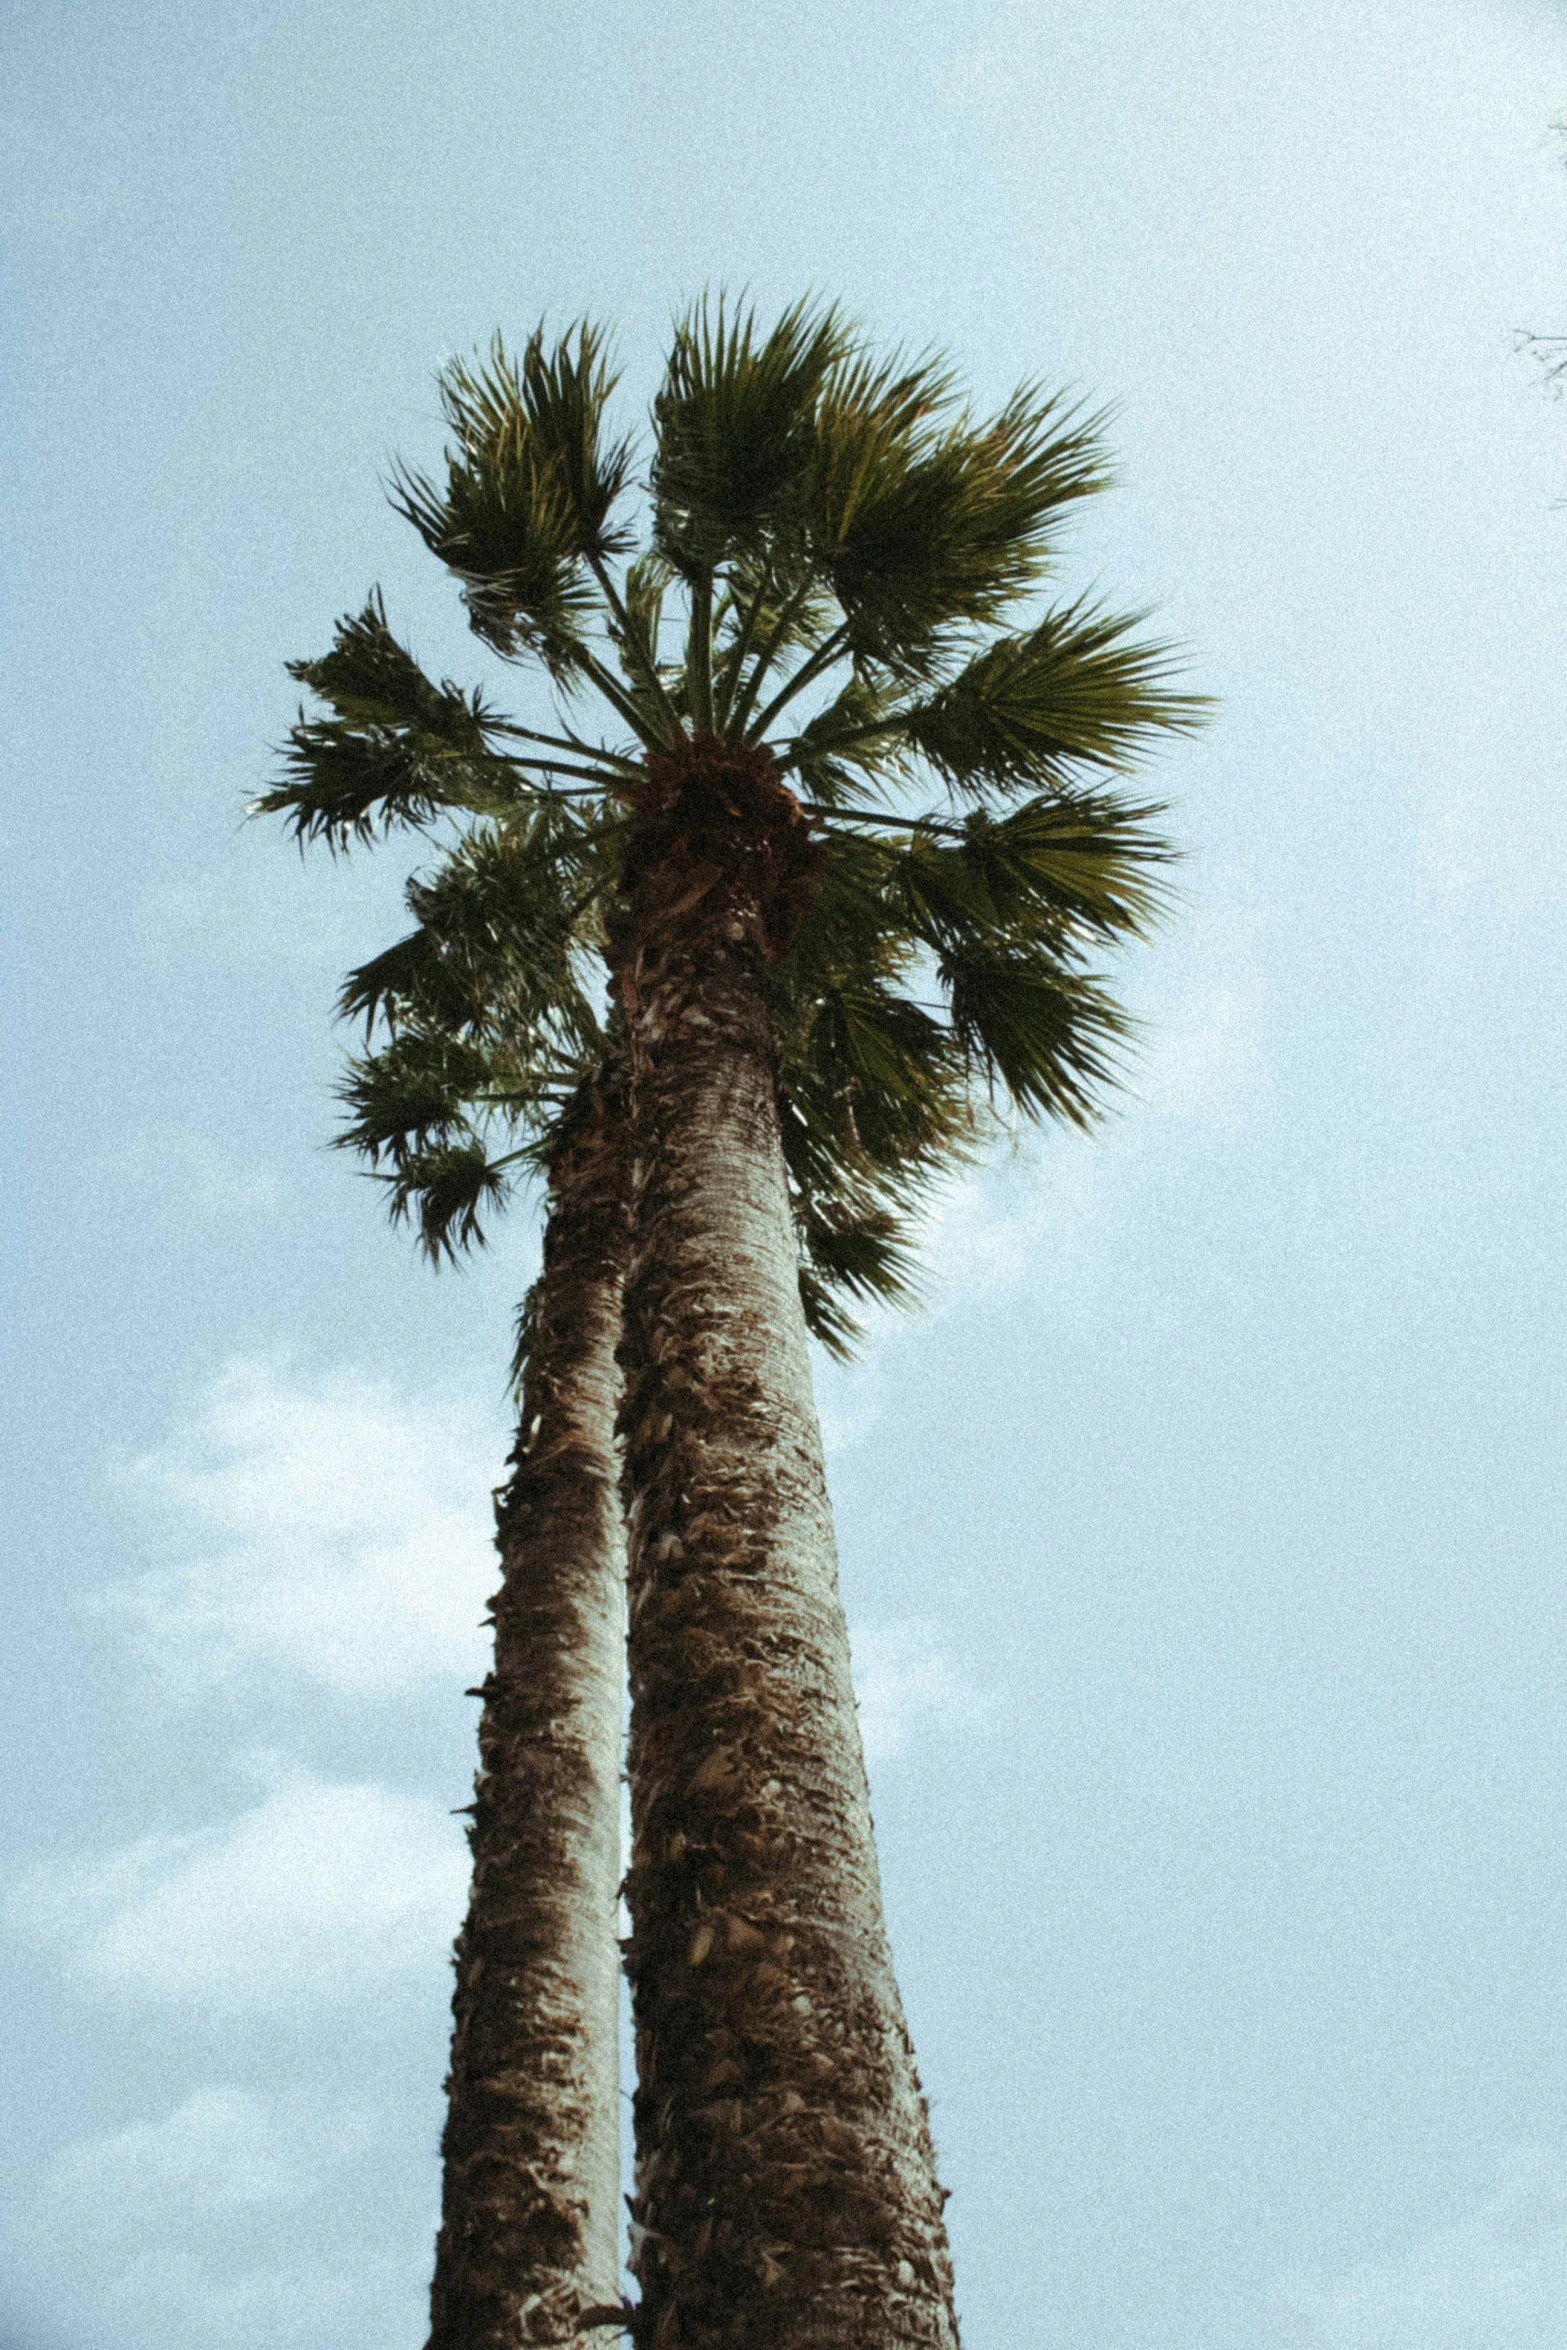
(786,2196)
(529,2235)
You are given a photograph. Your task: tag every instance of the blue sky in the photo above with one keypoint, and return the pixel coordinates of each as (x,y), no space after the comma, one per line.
(1203,1540)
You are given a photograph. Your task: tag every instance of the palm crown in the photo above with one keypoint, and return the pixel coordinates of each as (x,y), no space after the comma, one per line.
(836,559)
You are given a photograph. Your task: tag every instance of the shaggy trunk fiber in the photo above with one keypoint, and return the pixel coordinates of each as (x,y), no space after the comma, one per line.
(786,2191)
(530,2216)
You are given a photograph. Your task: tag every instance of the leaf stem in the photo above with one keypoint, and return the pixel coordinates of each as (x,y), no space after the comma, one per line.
(734,660)
(616,695)
(831,649)
(649,666)
(771,646)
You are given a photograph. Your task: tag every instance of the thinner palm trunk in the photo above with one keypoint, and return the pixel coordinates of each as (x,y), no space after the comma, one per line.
(528,2240)
(786,2194)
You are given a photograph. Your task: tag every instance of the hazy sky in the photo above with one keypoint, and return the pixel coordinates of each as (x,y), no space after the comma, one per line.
(1203,1542)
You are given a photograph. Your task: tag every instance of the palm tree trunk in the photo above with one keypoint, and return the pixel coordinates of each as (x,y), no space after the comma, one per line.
(786,2191)
(530,2216)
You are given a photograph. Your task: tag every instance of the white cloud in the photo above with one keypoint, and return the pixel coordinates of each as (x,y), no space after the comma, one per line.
(319,1890)
(220,2148)
(1205,1055)
(904,1684)
(990,1230)
(193,1171)
(326,1526)
(1496,2281)
(165,2298)
(208,2224)
(1201,1053)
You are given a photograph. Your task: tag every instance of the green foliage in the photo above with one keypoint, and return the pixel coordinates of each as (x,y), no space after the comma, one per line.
(444,1193)
(636,628)
(734,421)
(866,1258)
(426,1109)
(1075,691)
(1072,868)
(1045,1035)
(526,512)
(507,928)
(853,746)
(398,751)
(838,552)
(925,524)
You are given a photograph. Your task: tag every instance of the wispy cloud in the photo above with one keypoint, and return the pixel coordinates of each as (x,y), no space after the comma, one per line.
(324,1525)
(905,1687)
(193,1171)
(220,2221)
(1204,1048)
(320,1890)
(1495,2281)
(220,2148)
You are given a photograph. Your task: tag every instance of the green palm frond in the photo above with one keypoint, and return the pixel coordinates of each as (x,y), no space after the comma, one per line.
(851,745)
(517,908)
(526,511)
(508,925)
(445,1193)
(414,1092)
(506,529)
(924,526)
(1075,691)
(845,929)
(776,605)
(1086,858)
(864,1257)
(646,587)
(1050,1037)
(561,398)
(398,751)
(657,690)
(1067,868)
(369,677)
(411,972)
(735,420)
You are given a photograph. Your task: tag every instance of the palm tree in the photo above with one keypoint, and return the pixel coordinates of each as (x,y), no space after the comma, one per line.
(491,1034)
(838,527)
(485,998)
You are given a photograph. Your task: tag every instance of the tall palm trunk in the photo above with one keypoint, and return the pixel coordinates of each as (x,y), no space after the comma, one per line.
(529,2235)
(786,2191)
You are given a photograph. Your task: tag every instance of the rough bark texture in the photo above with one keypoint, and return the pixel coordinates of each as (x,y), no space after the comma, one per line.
(786,2196)
(531,2199)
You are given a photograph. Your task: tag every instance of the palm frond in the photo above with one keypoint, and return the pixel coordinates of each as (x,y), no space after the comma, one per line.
(445,1193)
(851,744)
(866,1257)
(1051,1038)
(527,505)
(516,910)
(1076,691)
(416,1092)
(398,751)
(734,420)
(926,527)
(1088,859)
(1061,869)
(410,972)
(635,623)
